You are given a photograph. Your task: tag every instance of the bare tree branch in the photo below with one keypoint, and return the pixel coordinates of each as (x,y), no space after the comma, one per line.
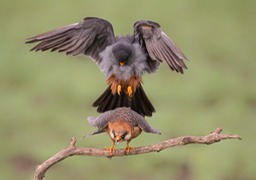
(72,149)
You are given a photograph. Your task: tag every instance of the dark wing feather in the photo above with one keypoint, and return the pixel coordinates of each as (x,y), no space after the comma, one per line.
(89,37)
(158,45)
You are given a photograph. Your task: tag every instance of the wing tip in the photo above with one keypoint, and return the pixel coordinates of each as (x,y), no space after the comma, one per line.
(91,120)
(30,40)
(155,131)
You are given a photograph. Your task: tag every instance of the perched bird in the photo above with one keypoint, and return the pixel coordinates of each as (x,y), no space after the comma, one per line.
(122,124)
(123,59)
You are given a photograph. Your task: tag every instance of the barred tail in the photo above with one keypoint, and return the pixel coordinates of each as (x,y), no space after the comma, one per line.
(139,102)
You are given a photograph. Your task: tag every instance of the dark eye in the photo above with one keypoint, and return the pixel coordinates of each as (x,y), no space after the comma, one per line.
(123,135)
(114,134)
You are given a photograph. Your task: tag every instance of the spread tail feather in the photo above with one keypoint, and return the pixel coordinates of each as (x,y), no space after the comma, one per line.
(139,102)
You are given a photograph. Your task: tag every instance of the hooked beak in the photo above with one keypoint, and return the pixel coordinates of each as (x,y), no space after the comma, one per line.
(118,139)
(122,63)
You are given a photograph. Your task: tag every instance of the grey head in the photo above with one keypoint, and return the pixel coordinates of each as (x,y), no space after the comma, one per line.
(123,59)
(122,52)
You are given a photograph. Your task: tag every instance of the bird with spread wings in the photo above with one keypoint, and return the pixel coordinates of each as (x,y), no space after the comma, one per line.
(122,59)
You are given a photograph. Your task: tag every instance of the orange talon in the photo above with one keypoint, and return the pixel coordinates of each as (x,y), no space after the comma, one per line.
(129,90)
(119,89)
(128,148)
(111,149)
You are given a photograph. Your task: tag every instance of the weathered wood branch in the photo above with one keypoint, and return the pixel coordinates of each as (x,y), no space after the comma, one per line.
(72,149)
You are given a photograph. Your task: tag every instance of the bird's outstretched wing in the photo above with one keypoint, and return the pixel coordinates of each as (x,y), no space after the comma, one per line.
(101,121)
(89,37)
(158,45)
(121,113)
(142,123)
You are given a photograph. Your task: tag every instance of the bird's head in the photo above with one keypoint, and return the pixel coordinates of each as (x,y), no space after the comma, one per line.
(122,52)
(120,131)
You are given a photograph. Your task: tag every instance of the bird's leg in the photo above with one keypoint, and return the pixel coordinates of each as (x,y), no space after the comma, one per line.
(111,149)
(115,84)
(132,85)
(128,148)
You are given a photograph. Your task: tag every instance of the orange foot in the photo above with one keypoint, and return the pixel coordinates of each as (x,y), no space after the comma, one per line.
(128,149)
(129,91)
(111,150)
(119,89)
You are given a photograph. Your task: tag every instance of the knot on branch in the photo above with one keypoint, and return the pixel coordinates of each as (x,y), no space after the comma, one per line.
(186,140)
(72,142)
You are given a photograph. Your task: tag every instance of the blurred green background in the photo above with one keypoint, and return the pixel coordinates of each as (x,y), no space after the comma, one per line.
(45,98)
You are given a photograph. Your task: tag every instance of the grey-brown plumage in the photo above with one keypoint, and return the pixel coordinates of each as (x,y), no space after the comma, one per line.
(123,60)
(121,124)
(121,114)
